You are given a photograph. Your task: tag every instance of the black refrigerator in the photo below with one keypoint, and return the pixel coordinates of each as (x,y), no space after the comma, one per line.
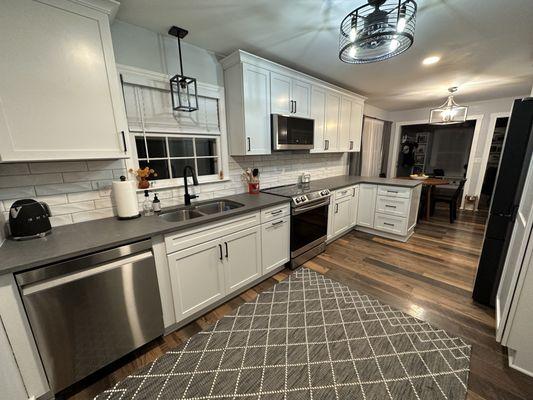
(512,171)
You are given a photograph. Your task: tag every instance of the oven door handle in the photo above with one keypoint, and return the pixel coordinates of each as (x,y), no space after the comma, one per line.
(300,210)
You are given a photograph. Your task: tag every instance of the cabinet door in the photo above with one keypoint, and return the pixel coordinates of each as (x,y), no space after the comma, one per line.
(333,108)
(354,205)
(280,94)
(242,258)
(275,243)
(301,95)
(256,83)
(197,277)
(60,95)
(318,113)
(356,126)
(342,214)
(367,205)
(344,126)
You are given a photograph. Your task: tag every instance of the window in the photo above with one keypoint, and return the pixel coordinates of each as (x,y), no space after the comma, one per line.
(169,154)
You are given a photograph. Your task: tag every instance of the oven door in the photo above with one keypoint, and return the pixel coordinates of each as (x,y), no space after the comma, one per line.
(292,133)
(309,227)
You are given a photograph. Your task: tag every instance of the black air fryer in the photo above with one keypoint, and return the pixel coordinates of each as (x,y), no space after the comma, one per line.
(29,219)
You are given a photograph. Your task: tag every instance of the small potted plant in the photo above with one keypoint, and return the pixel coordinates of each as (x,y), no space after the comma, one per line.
(143,175)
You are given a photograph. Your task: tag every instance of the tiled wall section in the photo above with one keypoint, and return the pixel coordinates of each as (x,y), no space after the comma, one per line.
(79,191)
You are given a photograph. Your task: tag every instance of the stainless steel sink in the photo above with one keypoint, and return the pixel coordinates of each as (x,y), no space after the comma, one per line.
(218,206)
(181,215)
(199,210)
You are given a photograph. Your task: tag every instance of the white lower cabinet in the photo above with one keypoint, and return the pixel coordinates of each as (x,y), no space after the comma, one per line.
(355,204)
(197,277)
(367,205)
(275,243)
(211,262)
(242,258)
(342,212)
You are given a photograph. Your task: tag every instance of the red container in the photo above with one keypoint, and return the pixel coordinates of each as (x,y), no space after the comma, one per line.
(253,188)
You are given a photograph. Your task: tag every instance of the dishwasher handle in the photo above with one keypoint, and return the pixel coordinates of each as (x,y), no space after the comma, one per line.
(81,263)
(78,275)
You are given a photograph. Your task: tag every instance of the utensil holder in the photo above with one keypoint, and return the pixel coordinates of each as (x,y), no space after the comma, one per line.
(253,187)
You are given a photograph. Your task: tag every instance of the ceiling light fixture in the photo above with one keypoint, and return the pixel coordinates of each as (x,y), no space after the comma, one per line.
(448,113)
(183,89)
(377,31)
(431,60)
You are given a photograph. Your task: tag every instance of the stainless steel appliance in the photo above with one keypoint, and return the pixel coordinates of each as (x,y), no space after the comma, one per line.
(292,133)
(507,193)
(29,219)
(92,310)
(309,220)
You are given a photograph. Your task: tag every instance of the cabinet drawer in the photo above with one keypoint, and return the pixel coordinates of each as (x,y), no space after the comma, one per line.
(393,205)
(391,224)
(268,214)
(394,191)
(344,192)
(191,237)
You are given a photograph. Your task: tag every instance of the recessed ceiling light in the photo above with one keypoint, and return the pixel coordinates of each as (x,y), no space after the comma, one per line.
(431,60)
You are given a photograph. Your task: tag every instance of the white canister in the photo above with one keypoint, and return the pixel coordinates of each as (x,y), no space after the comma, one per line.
(126,199)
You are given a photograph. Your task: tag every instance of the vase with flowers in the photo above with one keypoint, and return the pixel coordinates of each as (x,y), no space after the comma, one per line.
(143,175)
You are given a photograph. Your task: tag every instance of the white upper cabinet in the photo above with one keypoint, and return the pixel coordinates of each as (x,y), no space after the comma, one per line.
(289,96)
(60,96)
(333,110)
(318,113)
(280,94)
(288,92)
(248,109)
(301,97)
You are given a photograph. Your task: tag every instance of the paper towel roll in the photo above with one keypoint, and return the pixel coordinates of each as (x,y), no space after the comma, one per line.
(126,199)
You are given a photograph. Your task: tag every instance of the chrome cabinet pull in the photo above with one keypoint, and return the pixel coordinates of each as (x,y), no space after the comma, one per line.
(226,244)
(277,223)
(276,212)
(386,223)
(295,107)
(326,144)
(124,141)
(351,144)
(336,208)
(249,144)
(389,206)
(220,249)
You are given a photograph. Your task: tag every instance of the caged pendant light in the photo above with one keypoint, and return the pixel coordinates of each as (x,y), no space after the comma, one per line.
(448,113)
(183,89)
(377,31)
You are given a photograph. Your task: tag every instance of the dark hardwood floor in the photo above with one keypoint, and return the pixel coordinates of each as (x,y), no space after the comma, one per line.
(430,277)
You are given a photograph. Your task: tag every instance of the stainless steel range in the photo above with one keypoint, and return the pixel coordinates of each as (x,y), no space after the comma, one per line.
(309,220)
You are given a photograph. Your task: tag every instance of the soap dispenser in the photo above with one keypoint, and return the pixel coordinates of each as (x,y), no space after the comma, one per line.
(147,205)
(156,204)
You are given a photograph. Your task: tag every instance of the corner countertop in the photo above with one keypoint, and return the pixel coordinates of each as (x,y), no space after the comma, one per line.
(74,240)
(338,182)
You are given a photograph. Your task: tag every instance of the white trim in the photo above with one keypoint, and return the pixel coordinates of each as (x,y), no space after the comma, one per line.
(472,159)
(486,150)
(395,148)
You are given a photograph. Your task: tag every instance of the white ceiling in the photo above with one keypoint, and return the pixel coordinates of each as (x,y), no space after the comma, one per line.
(486,45)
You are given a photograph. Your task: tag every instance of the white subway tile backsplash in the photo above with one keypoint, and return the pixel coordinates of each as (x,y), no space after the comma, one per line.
(87,176)
(81,190)
(71,208)
(29,180)
(14,169)
(95,214)
(61,166)
(17,193)
(99,165)
(83,196)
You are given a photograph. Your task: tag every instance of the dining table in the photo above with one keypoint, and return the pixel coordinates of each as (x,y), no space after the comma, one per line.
(429,184)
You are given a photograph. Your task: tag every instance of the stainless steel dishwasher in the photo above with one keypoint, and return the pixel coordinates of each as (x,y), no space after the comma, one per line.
(87,312)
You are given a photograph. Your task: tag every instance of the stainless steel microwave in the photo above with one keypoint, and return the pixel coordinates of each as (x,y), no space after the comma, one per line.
(292,133)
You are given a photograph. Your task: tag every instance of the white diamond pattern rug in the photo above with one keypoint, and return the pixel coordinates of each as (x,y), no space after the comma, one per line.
(309,337)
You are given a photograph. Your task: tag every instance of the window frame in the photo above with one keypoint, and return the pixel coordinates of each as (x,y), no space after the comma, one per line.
(139,76)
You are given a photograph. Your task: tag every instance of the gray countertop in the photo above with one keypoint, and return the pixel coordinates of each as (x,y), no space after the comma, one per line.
(86,237)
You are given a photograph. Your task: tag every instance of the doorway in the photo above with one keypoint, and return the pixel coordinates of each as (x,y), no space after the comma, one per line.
(493,161)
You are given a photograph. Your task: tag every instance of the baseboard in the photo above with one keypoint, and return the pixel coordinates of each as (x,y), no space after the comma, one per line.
(375,232)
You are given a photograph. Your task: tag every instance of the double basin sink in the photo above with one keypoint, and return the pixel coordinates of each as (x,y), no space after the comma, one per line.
(199,210)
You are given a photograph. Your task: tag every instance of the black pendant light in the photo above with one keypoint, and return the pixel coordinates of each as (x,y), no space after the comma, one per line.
(377,31)
(183,89)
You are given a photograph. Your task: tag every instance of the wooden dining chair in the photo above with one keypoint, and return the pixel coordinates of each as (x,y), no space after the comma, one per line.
(450,199)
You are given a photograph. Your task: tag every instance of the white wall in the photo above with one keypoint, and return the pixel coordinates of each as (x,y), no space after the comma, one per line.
(375,112)
(142,48)
(484,109)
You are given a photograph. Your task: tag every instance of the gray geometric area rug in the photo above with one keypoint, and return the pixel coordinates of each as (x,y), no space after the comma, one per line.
(309,337)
